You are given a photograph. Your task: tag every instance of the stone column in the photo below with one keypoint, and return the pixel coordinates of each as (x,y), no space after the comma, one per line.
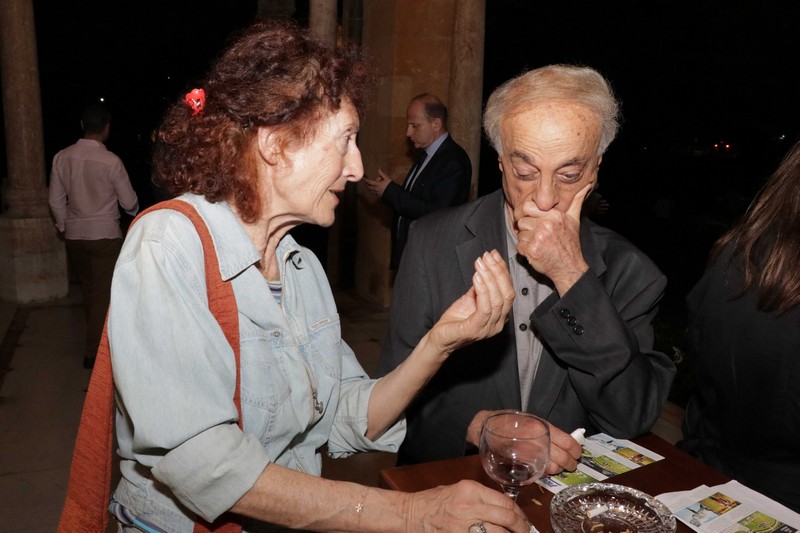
(418,46)
(323,20)
(353,19)
(23,111)
(466,80)
(33,265)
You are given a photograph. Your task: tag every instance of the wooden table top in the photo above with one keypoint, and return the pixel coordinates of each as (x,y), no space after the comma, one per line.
(677,471)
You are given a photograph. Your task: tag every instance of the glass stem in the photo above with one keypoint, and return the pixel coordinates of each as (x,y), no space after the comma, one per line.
(511,492)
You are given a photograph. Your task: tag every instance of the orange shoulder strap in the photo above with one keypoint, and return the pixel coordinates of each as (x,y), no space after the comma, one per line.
(88,493)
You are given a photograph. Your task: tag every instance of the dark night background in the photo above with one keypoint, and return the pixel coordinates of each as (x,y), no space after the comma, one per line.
(689,75)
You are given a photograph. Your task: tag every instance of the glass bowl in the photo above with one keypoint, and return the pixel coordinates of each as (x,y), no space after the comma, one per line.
(608,508)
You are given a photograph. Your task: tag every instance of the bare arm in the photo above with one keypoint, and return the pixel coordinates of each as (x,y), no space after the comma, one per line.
(300,501)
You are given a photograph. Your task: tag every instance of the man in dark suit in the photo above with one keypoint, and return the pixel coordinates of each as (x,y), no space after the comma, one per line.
(439,177)
(578,346)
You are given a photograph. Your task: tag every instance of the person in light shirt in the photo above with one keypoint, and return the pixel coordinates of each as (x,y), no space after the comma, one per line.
(88,185)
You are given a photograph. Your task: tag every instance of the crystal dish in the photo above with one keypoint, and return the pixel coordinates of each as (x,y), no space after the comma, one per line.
(608,508)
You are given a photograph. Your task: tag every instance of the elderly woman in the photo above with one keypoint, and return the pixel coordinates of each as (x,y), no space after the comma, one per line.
(268,143)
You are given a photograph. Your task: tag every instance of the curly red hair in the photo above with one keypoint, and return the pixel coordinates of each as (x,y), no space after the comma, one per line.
(274,74)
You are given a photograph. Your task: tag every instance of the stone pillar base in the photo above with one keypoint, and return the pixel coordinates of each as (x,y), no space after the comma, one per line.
(33,261)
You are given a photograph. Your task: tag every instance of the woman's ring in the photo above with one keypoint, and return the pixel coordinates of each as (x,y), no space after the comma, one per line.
(477,527)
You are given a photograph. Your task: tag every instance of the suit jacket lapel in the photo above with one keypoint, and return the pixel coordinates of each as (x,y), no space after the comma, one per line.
(433,164)
(488,232)
(417,161)
(488,228)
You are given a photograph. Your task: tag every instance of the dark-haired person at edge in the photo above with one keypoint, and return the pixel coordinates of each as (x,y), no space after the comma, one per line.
(744,337)
(578,348)
(439,177)
(268,144)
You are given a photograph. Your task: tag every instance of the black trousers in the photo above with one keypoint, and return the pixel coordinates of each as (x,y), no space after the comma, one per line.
(93,262)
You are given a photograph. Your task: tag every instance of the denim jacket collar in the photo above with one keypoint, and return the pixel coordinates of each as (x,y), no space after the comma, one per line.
(235,251)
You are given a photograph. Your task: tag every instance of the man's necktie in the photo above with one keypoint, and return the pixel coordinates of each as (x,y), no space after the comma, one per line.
(412,177)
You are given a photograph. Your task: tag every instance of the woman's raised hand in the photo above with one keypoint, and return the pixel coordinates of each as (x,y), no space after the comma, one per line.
(482,311)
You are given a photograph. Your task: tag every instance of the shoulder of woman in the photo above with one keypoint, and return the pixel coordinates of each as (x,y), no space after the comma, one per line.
(165,228)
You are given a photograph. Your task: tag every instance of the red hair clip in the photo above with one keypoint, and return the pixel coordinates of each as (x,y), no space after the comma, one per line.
(196,100)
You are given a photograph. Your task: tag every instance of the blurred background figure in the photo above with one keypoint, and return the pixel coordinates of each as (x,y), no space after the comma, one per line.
(439,177)
(744,334)
(88,184)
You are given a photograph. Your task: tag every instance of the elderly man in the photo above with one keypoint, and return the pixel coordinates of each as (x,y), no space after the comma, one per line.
(578,348)
(439,177)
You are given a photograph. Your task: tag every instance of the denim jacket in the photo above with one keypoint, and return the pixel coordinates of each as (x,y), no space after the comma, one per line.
(181,451)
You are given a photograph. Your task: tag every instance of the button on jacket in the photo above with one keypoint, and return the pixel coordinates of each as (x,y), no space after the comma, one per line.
(175,372)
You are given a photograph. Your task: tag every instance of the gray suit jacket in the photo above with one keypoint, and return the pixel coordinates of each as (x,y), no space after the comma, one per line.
(604,376)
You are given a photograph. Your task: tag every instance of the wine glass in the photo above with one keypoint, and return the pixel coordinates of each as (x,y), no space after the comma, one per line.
(515,449)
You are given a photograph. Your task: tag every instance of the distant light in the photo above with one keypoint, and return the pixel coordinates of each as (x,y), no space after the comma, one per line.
(722,146)
(781,137)
(102,99)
